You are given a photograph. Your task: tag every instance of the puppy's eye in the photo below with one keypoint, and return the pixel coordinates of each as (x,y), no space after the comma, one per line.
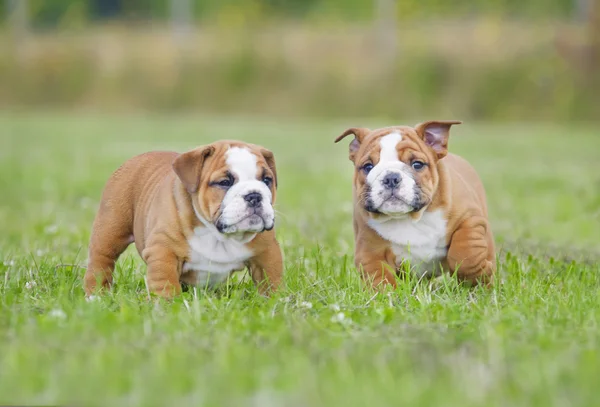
(268,181)
(225,182)
(367,167)
(418,165)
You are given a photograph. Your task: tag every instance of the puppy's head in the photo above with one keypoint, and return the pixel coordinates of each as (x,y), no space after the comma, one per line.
(232,185)
(396,167)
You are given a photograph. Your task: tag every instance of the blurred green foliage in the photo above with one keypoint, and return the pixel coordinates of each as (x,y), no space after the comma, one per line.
(484,59)
(45,12)
(285,71)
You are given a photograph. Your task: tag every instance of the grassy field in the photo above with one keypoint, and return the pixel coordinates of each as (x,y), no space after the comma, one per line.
(532,340)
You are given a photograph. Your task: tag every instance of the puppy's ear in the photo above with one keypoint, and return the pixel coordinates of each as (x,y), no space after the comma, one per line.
(359,135)
(270,159)
(435,134)
(188,166)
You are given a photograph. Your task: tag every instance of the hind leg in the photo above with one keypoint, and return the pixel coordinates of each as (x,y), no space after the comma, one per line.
(111,234)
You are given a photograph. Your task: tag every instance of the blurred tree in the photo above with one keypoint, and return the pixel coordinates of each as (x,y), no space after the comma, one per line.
(593,28)
(18,19)
(181,14)
(50,14)
(104,9)
(582,8)
(386,28)
(296,8)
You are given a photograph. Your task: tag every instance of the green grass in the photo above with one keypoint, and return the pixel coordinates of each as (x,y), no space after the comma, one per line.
(532,340)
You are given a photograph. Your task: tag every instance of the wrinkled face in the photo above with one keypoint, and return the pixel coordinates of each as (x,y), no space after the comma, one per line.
(236,186)
(396,168)
(395,175)
(247,200)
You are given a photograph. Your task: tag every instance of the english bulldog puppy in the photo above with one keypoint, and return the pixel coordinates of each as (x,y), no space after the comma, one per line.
(415,202)
(194,218)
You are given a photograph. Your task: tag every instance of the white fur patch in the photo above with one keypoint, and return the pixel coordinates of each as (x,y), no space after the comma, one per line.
(388,147)
(422,242)
(242,163)
(213,256)
(390,163)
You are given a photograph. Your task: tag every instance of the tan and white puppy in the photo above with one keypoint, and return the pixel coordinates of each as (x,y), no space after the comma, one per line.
(414,201)
(194,218)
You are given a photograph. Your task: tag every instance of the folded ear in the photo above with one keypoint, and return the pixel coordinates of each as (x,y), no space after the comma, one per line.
(359,135)
(270,159)
(435,134)
(188,166)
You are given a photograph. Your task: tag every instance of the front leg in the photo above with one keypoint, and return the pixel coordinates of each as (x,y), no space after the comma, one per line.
(471,253)
(266,269)
(376,268)
(163,271)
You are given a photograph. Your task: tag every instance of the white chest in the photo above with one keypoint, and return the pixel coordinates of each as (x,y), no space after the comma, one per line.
(423,243)
(213,257)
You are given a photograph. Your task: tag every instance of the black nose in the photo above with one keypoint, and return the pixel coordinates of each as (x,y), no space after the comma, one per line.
(254,199)
(391,180)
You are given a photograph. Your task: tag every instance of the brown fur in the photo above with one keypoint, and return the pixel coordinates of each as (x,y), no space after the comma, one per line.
(449,183)
(150,200)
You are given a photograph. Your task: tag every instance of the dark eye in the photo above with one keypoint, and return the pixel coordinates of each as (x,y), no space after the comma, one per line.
(367,167)
(418,165)
(268,181)
(225,183)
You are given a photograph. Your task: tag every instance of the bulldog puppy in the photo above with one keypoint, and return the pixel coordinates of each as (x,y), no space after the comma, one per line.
(194,218)
(414,201)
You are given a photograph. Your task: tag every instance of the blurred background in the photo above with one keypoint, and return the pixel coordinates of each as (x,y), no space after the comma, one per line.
(468,59)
